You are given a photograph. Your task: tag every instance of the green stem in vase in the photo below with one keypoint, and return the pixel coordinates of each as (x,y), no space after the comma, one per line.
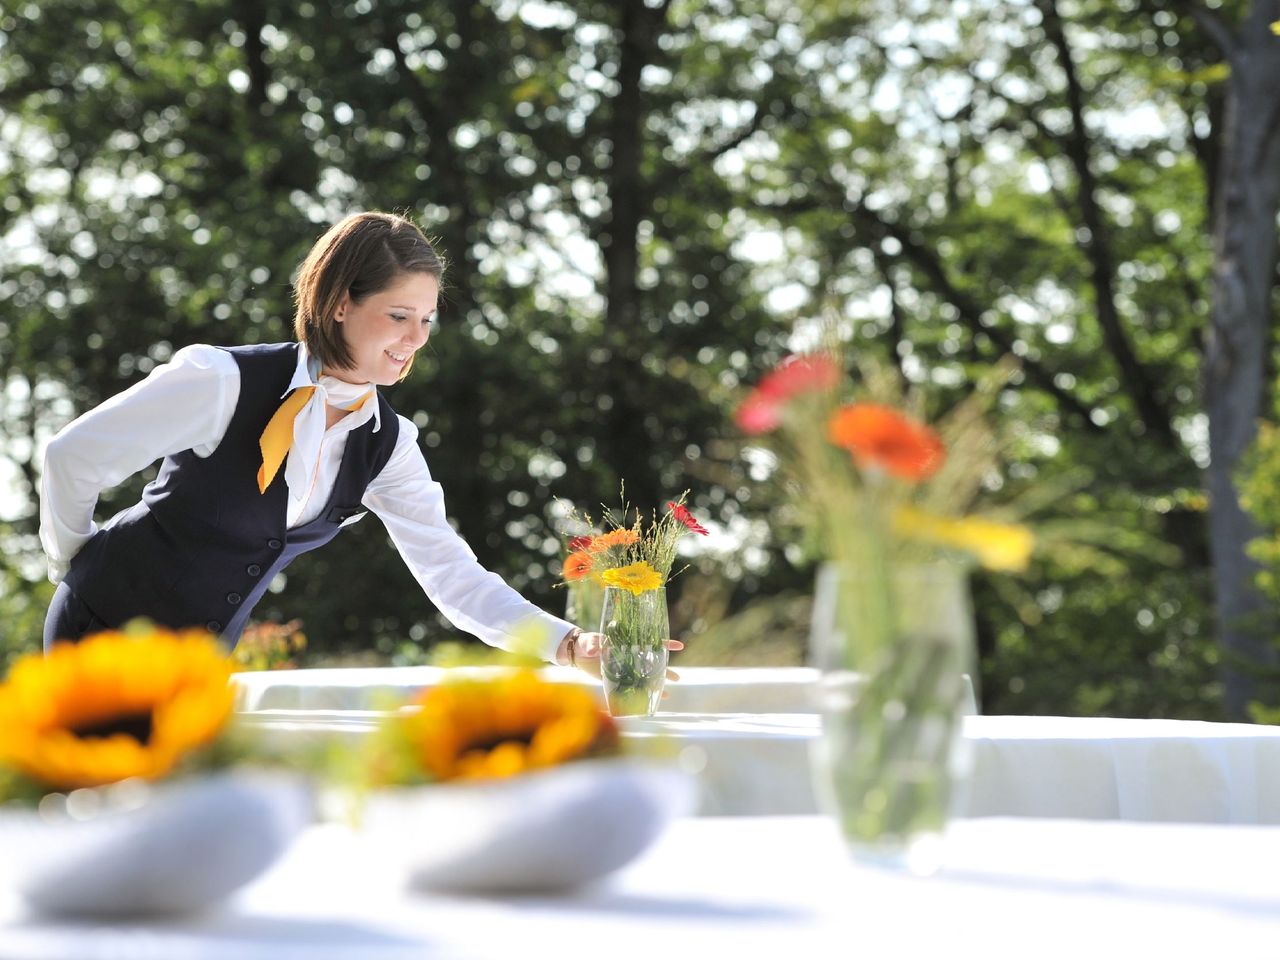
(634,659)
(893,723)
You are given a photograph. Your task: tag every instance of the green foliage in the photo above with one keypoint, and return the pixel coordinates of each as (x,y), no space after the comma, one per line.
(270,646)
(1259,484)
(647,206)
(23,603)
(19,791)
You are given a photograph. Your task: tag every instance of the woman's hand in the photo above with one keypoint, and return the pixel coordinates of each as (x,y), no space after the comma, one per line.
(585,654)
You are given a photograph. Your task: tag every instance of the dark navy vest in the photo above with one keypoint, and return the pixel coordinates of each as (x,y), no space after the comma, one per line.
(202,545)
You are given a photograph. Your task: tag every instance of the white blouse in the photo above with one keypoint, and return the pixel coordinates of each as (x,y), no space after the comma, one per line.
(187,404)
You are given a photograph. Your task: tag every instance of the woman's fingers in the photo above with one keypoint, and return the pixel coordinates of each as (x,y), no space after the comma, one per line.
(588,646)
(587,653)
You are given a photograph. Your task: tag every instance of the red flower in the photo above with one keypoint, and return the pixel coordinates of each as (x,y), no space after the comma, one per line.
(762,410)
(687,518)
(884,438)
(579,543)
(758,414)
(794,375)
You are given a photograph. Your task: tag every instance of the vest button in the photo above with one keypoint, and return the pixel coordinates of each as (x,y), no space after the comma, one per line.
(253,570)
(233,598)
(213,626)
(274,544)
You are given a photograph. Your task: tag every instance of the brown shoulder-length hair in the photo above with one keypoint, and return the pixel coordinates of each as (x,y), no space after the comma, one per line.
(362,254)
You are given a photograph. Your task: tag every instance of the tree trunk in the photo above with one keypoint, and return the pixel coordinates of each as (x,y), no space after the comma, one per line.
(626,441)
(1239,336)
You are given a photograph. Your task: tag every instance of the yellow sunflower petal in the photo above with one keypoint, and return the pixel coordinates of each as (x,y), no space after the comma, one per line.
(114,706)
(637,578)
(473,729)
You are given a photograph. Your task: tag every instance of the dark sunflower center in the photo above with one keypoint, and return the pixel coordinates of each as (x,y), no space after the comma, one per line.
(525,737)
(136,725)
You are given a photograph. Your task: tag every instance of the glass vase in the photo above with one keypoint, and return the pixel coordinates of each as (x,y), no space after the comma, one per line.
(585,603)
(633,659)
(893,646)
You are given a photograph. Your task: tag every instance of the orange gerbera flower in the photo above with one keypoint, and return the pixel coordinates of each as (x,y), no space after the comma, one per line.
(886,439)
(578,565)
(620,537)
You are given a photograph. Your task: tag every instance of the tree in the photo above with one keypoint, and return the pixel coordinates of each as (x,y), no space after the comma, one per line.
(647,204)
(1240,336)
(226,136)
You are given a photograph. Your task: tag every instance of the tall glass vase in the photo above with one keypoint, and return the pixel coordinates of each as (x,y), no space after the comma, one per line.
(633,659)
(893,646)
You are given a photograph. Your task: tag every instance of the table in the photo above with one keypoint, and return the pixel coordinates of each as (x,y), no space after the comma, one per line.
(1083,768)
(749,887)
(699,690)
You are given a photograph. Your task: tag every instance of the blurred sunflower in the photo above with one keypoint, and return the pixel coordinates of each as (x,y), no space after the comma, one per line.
(477,730)
(113,706)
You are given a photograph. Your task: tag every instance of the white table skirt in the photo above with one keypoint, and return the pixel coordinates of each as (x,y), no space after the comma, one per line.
(1082,768)
(748,887)
(1104,768)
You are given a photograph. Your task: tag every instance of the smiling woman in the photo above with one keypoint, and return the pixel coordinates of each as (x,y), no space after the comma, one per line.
(268,451)
(384,333)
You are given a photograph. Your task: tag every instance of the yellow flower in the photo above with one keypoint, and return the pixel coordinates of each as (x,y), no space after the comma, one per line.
(1275,27)
(113,706)
(488,729)
(998,546)
(638,578)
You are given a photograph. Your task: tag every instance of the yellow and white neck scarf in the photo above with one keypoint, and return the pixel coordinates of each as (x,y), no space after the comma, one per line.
(299,425)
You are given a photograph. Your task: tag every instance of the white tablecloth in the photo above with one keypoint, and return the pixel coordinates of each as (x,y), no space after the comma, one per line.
(1082,768)
(699,690)
(749,887)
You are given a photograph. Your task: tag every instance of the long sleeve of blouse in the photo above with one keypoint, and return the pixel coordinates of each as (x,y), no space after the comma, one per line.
(187,404)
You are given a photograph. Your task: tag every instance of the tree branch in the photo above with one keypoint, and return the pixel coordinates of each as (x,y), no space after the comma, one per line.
(897,324)
(926,261)
(1213,25)
(715,153)
(1150,408)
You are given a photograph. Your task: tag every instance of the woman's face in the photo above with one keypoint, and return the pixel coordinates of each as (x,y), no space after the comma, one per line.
(385,330)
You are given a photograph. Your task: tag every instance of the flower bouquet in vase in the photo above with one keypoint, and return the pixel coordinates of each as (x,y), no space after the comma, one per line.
(884,499)
(125,788)
(630,566)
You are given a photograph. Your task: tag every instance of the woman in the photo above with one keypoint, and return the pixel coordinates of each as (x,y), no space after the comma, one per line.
(268,451)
